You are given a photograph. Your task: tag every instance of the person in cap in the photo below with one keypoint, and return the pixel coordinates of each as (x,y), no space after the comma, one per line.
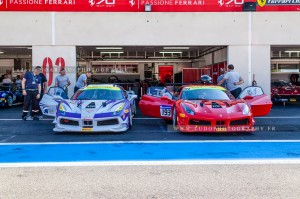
(31,89)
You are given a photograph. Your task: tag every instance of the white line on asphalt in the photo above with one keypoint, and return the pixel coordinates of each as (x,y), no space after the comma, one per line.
(149,142)
(11,137)
(151,118)
(138,118)
(151,163)
(287,117)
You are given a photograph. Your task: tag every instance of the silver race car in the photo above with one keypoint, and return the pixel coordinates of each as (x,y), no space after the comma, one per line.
(95,108)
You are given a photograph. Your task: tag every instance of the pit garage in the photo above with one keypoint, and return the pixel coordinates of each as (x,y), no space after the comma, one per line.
(14,60)
(130,65)
(285,70)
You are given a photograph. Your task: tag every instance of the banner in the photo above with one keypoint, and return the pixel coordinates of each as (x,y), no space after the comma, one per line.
(139,5)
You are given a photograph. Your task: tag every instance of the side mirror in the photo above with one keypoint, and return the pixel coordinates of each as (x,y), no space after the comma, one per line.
(248,97)
(134,96)
(165,98)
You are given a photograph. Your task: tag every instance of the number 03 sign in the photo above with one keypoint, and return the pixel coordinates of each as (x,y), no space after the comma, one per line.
(48,69)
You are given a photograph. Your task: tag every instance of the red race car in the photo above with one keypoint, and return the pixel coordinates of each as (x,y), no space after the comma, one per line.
(206,108)
(281,91)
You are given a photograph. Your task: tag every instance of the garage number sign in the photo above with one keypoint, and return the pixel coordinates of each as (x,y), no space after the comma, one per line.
(139,5)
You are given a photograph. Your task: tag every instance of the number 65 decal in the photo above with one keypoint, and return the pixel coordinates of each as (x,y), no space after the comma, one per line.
(47,62)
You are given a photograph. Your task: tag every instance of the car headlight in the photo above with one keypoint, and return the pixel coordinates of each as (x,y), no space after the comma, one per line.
(62,108)
(187,109)
(246,110)
(118,109)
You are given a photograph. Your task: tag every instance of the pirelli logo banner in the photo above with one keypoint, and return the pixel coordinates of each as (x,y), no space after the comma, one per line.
(139,5)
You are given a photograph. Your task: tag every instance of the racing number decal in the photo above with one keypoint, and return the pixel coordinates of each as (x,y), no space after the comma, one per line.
(166,111)
(48,63)
(60,61)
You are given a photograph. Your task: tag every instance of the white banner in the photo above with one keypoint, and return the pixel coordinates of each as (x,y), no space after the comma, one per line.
(52,59)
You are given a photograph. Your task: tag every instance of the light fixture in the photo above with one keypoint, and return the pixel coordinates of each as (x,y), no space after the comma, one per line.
(170,52)
(1,52)
(148,8)
(176,48)
(109,48)
(113,52)
(292,51)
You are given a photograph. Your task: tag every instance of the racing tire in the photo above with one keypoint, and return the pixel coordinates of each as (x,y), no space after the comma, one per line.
(174,119)
(9,101)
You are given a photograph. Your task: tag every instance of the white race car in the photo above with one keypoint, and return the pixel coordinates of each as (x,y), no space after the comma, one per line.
(95,108)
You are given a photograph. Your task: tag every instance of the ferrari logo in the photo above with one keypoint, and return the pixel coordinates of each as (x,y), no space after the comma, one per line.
(261,3)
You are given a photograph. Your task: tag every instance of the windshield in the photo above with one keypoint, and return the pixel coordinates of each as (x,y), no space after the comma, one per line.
(98,94)
(204,94)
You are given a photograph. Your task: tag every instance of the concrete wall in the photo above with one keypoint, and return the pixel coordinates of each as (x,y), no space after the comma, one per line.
(116,29)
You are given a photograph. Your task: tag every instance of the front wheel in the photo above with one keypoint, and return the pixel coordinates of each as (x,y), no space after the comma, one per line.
(174,119)
(9,101)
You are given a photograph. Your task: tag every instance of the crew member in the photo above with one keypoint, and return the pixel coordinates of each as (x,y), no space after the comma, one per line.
(233,81)
(31,86)
(62,80)
(43,91)
(82,80)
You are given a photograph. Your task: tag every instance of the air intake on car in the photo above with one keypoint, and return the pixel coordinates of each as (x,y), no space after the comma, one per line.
(108,122)
(91,105)
(200,122)
(239,122)
(215,105)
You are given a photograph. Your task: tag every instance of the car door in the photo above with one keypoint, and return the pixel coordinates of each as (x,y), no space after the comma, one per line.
(131,97)
(50,101)
(259,102)
(158,104)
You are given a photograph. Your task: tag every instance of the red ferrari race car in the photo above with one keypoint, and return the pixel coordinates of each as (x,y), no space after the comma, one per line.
(281,91)
(205,108)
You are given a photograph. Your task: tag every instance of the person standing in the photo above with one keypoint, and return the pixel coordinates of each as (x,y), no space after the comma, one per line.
(43,91)
(18,80)
(6,80)
(82,80)
(62,80)
(222,74)
(233,81)
(31,89)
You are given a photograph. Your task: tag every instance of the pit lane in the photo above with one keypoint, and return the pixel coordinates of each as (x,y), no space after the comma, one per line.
(281,124)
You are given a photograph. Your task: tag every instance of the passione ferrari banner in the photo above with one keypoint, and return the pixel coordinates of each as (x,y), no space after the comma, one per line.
(139,5)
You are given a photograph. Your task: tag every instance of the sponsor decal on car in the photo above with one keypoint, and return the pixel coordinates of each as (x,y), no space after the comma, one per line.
(165,111)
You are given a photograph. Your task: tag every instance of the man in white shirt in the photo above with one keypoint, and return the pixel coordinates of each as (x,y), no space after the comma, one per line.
(6,80)
(233,81)
(18,80)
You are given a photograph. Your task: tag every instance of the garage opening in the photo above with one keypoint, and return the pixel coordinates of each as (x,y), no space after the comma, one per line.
(154,64)
(285,71)
(14,60)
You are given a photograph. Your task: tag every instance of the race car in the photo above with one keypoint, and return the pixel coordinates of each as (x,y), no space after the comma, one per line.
(10,94)
(207,108)
(281,91)
(95,108)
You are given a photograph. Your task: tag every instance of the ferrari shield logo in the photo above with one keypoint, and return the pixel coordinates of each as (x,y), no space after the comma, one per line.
(261,3)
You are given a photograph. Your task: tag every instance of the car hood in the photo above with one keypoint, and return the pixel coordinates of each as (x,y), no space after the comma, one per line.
(214,108)
(90,109)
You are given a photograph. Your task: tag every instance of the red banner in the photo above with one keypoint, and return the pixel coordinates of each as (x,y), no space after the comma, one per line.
(139,5)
